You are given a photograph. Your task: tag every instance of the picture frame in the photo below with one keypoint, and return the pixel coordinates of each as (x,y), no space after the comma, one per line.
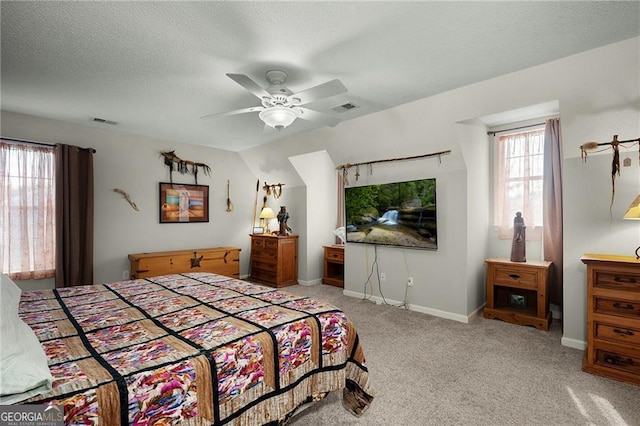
(258,230)
(183,203)
(518,300)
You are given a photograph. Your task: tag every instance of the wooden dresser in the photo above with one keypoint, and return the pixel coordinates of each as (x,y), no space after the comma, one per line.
(334,265)
(274,260)
(219,260)
(518,292)
(613,317)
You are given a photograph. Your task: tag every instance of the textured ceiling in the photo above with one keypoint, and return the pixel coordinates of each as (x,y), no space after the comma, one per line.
(156,67)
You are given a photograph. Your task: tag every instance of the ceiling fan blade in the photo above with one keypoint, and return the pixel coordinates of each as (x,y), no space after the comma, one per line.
(321,91)
(237,111)
(250,85)
(318,117)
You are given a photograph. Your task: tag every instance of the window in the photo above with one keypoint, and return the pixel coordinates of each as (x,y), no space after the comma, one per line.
(519,164)
(27,211)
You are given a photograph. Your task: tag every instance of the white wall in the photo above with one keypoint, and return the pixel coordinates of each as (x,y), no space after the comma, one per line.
(319,175)
(599,95)
(476,147)
(134,164)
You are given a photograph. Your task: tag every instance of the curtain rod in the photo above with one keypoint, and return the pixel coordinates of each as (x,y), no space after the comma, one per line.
(493,133)
(37,143)
(348,165)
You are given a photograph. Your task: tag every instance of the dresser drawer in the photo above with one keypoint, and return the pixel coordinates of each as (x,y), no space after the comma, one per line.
(622,281)
(335,255)
(264,246)
(624,308)
(265,266)
(615,333)
(263,275)
(257,243)
(627,362)
(264,255)
(515,278)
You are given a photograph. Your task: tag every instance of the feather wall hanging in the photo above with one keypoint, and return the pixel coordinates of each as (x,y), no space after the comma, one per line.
(173,162)
(614,145)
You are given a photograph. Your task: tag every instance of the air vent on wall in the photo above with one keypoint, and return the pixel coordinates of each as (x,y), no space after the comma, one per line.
(345,107)
(103,121)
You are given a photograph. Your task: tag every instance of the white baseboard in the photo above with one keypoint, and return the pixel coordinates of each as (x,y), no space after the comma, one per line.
(573,343)
(411,307)
(310,282)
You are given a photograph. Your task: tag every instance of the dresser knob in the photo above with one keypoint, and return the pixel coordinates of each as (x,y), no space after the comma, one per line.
(623,332)
(514,276)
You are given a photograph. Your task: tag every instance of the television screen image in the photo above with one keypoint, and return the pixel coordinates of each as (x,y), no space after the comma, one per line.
(399,214)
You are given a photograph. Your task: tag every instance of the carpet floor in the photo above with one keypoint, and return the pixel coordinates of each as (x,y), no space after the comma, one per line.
(427,370)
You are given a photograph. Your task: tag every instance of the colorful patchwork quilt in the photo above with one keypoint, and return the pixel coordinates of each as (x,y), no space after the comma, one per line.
(194,348)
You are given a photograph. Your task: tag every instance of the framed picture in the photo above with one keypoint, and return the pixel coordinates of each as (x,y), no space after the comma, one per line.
(258,230)
(518,300)
(182,203)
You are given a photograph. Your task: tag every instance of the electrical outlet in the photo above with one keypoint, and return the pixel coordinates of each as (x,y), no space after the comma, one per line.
(125,275)
(410,281)
(383,276)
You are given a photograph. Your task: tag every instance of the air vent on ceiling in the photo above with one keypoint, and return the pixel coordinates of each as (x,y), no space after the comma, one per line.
(103,121)
(345,107)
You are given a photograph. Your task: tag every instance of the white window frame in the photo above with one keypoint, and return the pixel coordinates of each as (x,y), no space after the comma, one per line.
(524,151)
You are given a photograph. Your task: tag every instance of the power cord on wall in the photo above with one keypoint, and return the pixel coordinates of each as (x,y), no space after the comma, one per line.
(406,286)
(375,249)
(380,284)
(375,267)
(368,281)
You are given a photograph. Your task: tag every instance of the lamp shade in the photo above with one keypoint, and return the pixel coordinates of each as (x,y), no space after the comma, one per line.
(278,117)
(633,212)
(267,213)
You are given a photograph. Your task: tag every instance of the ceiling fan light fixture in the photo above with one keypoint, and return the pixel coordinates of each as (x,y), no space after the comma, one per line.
(278,117)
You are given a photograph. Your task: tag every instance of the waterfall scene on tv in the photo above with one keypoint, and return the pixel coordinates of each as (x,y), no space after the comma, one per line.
(394,214)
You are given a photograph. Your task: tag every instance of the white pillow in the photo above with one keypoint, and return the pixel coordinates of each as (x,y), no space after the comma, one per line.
(23,364)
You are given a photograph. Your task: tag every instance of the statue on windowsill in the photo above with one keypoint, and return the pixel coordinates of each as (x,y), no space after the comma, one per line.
(518,245)
(283,216)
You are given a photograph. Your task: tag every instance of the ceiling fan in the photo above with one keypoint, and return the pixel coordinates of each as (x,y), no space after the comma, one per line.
(280,106)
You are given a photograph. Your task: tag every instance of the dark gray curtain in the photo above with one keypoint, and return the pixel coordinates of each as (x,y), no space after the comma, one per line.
(552,212)
(74,215)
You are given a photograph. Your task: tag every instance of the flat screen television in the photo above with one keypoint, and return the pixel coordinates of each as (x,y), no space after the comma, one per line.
(401,214)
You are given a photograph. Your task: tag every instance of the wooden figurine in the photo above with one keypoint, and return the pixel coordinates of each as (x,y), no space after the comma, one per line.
(518,245)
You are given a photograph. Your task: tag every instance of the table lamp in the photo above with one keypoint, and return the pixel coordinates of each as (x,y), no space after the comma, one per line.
(265,216)
(633,213)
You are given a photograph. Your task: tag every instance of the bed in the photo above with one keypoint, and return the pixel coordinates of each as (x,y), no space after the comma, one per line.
(195,348)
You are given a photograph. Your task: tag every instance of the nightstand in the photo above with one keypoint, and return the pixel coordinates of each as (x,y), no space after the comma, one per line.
(334,265)
(518,292)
